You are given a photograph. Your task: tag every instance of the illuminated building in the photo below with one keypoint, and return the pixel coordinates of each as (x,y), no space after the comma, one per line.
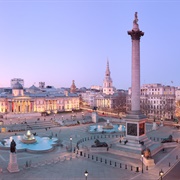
(157,100)
(32,99)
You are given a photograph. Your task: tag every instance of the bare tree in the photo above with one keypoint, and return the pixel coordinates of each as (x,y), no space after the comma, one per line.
(119,103)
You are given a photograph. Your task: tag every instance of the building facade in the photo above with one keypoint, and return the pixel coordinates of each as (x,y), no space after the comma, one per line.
(24,101)
(157,101)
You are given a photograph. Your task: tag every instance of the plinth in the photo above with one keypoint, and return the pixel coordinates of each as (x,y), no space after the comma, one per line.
(95,117)
(136,131)
(13,165)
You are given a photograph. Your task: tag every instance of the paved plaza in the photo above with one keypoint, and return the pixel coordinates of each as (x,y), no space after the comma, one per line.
(63,165)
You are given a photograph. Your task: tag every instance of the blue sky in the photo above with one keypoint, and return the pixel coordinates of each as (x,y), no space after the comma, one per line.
(60,41)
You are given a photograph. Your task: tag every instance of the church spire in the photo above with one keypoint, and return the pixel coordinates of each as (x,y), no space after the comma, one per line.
(107,69)
(107,83)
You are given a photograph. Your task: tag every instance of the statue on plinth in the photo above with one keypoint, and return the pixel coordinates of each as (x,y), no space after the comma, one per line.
(13,146)
(13,165)
(147,153)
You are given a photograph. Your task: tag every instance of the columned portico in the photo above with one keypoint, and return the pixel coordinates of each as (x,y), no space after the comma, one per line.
(20,106)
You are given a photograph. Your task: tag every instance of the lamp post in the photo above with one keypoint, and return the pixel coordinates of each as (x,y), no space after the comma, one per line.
(142,161)
(161,173)
(86,174)
(71,144)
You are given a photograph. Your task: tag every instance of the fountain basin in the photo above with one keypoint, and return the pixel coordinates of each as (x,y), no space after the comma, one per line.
(101,129)
(42,144)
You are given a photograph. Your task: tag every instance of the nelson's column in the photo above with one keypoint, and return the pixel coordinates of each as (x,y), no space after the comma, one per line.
(135,120)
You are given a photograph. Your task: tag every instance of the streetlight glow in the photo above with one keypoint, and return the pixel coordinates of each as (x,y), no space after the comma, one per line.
(86,174)
(142,155)
(161,173)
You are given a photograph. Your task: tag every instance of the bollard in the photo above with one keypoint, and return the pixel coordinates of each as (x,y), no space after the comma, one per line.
(147,168)
(92,157)
(105,161)
(126,166)
(88,155)
(115,164)
(101,159)
(80,153)
(137,169)
(131,168)
(120,165)
(109,162)
(169,164)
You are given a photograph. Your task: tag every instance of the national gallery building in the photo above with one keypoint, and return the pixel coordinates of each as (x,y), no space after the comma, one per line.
(30,100)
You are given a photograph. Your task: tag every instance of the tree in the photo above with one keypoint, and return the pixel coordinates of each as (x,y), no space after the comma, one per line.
(119,103)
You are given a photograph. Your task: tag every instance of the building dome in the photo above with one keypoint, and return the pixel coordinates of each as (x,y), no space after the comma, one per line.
(17,86)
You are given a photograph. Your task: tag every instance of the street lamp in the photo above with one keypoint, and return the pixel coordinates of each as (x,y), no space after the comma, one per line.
(142,161)
(70,144)
(86,174)
(161,173)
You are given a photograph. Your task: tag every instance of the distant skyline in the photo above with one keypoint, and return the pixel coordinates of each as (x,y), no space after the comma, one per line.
(56,41)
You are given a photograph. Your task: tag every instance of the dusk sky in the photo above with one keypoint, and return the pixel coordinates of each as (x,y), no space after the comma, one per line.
(57,41)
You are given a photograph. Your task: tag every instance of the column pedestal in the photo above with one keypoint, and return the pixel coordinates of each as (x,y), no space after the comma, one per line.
(154,126)
(13,165)
(136,131)
(95,117)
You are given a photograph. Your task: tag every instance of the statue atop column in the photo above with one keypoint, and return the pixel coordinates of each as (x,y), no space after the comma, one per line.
(13,146)
(135,24)
(135,18)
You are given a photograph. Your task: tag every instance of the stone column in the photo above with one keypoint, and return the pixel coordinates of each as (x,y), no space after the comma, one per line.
(135,34)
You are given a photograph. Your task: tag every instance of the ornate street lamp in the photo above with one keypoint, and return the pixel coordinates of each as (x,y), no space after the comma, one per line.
(142,155)
(161,173)
(86,174)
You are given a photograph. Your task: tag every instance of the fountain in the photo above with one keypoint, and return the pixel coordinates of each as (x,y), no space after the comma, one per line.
(106,128)
(29,143)
(108,125)
(28,138)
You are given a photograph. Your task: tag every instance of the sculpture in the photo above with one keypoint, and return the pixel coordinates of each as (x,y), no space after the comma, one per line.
(169,139)
(99,144)
(147,153)
(135,18)
(13,146)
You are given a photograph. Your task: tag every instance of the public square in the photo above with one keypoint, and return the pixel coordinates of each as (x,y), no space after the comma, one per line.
(62,164)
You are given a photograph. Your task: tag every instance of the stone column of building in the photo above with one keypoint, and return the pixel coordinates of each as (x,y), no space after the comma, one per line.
(135,34)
